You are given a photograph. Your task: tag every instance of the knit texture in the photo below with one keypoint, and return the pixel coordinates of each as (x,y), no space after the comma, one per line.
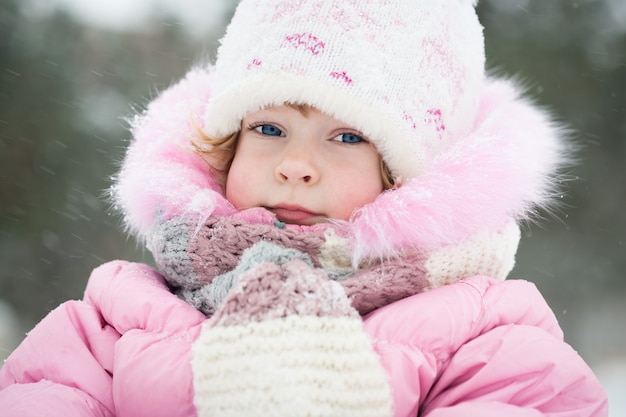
(203,264)
(299,366)
(286,342)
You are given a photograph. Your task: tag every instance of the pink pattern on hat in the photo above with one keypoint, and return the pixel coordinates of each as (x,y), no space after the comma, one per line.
(411,120)
(286,9)
(341,75)
(309,41)
(255,63)
(434,117)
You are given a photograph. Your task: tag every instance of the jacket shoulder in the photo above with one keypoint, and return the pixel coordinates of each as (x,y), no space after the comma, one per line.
(481,340)
(70,348)
(443,319)
(135,296)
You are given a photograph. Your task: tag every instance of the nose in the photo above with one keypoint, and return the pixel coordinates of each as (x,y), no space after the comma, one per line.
(297,165)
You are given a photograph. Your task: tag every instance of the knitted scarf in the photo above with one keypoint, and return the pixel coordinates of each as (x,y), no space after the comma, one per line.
(203,263)
(284,336)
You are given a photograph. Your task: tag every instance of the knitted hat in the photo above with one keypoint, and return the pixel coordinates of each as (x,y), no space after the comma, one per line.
(407,74)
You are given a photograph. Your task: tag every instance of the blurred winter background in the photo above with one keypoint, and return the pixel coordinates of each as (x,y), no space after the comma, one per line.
(71,71)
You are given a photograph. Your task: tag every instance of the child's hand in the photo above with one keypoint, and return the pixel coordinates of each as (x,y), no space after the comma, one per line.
(286,341)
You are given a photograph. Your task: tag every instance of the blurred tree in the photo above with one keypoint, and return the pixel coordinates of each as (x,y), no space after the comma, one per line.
(64,91)
(36,95)
(572,57)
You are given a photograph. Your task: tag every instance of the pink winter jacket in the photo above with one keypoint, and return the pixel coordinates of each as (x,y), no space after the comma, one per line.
(475,347)
(479,347)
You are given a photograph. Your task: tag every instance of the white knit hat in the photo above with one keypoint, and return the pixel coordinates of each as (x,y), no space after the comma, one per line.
(407,74)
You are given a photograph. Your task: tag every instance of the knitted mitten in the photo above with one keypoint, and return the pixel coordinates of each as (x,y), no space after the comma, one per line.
(285,341)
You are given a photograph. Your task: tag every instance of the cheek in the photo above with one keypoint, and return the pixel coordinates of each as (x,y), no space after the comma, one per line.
(363,192)
(355,190)
(367,180)
(233,190)
(240,183)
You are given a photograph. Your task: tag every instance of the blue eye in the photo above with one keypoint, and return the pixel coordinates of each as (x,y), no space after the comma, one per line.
(350,138)
(269,130)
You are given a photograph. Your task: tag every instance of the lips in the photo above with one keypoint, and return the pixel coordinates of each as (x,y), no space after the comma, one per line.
(294,214)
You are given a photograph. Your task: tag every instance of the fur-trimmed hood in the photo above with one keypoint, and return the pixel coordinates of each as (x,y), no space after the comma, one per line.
(502,171)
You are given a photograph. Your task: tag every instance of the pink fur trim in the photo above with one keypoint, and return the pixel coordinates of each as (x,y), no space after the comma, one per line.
(502,169)
(161,175)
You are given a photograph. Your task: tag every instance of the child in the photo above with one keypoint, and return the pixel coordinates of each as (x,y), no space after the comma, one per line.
(333,208)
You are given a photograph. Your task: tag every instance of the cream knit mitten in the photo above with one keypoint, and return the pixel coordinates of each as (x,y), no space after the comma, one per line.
(285,341)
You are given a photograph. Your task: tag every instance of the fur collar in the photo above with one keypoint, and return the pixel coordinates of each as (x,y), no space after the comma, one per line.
(500,172)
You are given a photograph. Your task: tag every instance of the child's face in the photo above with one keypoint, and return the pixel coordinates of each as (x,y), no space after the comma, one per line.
(305,168)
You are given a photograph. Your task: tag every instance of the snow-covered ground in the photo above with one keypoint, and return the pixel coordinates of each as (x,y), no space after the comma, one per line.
(612,374)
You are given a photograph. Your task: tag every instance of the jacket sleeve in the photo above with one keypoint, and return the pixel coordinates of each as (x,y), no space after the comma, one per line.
(482,347)
(62,368)
(516,370)
(122,351)
(152,369)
